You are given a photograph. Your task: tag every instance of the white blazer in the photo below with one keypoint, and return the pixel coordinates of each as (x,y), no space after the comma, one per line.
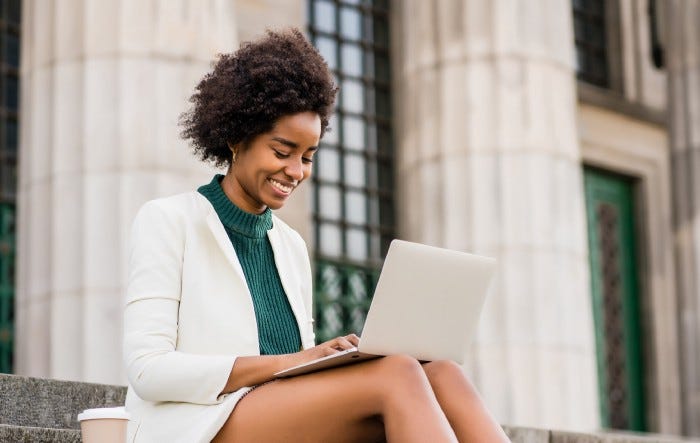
(189,314)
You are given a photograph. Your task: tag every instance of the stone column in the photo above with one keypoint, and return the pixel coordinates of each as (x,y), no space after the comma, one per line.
(683,55)
(103,84)
(489,162)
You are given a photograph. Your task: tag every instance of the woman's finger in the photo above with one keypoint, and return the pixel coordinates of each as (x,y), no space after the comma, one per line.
(328,350)
(354,339)
(343,343)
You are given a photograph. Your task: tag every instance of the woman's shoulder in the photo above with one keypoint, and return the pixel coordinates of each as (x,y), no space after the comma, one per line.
(288,232)
(184,206)
(284,228)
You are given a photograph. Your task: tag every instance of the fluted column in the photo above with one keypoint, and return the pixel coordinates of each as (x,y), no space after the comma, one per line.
(683,51)
(103,84)
(489,162)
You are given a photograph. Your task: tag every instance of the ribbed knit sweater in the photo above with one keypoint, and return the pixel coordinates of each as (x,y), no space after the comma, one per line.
(278,332)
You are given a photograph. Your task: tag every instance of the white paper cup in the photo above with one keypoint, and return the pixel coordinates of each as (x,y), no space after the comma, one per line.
(104,425)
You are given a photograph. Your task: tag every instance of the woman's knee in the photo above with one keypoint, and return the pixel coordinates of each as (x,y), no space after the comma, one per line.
(446,373)
(401,371)
(400,364)
(442,368)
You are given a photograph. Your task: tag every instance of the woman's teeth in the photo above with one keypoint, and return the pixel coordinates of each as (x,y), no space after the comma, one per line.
(280,186)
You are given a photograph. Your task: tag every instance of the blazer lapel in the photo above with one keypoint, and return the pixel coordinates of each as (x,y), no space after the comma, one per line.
(224,242)
(285,268)
(289,281)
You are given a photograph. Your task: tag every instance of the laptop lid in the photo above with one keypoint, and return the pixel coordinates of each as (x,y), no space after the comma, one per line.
(427,302)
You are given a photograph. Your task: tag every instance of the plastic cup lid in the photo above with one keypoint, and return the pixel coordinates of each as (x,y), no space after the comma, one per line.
(97,413)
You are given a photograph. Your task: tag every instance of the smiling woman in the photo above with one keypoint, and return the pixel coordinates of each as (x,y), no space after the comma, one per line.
(219,294)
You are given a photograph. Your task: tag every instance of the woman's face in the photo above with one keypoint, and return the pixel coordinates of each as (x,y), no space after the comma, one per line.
(267,171)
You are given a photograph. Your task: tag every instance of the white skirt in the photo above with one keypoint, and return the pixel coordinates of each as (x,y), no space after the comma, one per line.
(159,422)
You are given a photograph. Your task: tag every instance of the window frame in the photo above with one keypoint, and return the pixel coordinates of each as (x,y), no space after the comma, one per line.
(611,45)
(346,300)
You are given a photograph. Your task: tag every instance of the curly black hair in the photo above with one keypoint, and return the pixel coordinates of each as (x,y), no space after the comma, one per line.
(248,91)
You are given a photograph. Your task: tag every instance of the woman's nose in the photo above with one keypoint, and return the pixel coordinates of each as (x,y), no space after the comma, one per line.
(294,169)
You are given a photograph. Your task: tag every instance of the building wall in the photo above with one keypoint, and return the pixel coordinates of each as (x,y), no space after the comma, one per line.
(684,130)
(621,144)
(642,83)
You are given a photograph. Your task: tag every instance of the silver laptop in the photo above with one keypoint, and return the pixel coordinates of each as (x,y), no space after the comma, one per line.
(426,304)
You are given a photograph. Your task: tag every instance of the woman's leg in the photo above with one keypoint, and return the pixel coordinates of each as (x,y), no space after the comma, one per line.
(462,404)
(388,398)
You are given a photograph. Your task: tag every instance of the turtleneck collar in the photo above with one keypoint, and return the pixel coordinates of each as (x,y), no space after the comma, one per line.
(233,217)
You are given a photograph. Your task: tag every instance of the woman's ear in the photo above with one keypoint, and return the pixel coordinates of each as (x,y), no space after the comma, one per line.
(233,152)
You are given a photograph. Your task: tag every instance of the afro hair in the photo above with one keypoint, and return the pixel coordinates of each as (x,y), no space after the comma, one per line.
(248,91)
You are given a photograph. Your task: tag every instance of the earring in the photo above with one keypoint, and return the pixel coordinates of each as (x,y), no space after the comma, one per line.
(233,153)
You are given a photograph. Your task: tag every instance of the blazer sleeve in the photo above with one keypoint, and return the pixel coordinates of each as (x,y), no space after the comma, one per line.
(155,369)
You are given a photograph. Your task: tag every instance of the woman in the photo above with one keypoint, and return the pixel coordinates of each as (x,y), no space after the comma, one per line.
(219,295)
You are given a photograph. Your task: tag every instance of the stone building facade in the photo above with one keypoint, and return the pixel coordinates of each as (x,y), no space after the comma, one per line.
(561,137)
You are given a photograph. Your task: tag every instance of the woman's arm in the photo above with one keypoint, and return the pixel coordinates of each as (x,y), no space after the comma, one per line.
(254,370)
(155,369)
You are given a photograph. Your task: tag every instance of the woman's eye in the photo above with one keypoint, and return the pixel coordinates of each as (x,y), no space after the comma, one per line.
(279,154)
(307,160)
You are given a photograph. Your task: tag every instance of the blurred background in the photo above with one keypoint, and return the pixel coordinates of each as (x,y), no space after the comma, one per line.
(560,136)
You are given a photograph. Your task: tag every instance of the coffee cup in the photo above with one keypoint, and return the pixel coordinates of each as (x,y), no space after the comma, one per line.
(104,425)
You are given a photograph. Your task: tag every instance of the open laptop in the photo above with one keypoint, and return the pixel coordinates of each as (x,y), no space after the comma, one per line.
(426,304)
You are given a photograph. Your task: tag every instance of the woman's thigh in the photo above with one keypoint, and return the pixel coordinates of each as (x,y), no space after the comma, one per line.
(339,405)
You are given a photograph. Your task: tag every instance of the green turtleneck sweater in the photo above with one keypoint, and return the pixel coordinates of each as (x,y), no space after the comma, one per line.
(278,332)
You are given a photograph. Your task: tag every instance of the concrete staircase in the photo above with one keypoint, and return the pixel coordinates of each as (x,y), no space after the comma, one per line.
(45,411)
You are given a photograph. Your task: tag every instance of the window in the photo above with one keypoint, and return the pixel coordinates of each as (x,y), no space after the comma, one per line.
(9,106)
(591,42)
(353,177)
(656,31)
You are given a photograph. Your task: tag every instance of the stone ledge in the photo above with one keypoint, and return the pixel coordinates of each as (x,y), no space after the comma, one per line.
(614,437)
(532,435)
(46,403)
(527,435)
(17,434)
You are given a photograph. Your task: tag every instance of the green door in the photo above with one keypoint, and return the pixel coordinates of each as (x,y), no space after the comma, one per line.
(616,298)
(7,271)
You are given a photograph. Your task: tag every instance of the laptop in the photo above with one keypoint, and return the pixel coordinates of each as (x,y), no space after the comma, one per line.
(426,304)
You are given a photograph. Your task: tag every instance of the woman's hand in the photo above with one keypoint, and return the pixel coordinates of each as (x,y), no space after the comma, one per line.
(330,347)
(257,369)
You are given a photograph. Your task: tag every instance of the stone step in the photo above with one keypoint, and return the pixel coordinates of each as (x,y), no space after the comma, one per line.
(531,435)
(11,433)
(45,403)
(43,410)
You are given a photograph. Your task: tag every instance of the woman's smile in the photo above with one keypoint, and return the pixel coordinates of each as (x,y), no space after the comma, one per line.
(283,188)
